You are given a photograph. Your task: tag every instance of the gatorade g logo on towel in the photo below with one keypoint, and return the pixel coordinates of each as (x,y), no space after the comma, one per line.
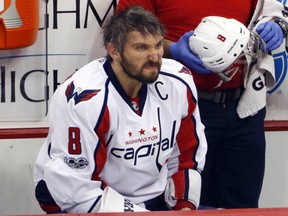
(19,21)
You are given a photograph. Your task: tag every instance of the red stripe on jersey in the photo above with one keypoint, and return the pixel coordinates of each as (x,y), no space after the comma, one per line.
(179,179)
(183,204)
(50,209)
(187,142)
(187,138)
(101,152)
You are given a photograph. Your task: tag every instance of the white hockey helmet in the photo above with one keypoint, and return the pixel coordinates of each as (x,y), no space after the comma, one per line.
(218,42)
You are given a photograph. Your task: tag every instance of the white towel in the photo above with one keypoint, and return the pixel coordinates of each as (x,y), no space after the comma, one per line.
(261,76)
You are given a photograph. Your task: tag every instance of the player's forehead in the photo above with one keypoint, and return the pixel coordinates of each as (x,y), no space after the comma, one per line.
(136,37)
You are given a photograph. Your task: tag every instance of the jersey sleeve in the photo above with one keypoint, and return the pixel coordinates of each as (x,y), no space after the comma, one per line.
(189,159)
(75,148)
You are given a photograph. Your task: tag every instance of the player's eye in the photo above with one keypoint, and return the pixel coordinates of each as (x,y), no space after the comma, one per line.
(142,47)
(159,45)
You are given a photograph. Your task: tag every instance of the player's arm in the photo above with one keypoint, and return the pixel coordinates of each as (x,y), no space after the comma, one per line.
(78,135)
(77,151)
(186,166)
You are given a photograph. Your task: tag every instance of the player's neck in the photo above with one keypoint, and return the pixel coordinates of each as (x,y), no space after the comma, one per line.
(131,86)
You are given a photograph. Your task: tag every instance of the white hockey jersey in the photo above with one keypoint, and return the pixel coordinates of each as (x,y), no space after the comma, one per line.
(97,139)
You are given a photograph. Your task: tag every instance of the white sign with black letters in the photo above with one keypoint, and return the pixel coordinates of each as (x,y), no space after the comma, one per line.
(69,39)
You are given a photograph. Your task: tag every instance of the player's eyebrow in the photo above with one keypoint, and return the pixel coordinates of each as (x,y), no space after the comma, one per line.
(160,41)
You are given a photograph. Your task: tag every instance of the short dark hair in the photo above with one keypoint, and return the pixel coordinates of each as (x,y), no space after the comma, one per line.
(134,18)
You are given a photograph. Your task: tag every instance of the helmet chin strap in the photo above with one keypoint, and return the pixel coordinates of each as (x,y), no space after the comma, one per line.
(231,72)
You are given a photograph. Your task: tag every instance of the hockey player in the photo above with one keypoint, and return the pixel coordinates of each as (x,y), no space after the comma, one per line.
(125,132)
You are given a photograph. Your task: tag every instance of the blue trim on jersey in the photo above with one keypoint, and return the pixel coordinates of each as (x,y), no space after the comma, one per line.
(181,80)
(95,153)
(94,204)
(198,142)
(186,192)
(45,198)
(142,92)
(159,166)
(103,106)
(142,98)
(173,132)
(49,150)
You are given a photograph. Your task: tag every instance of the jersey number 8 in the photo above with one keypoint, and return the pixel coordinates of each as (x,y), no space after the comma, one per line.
(74,144)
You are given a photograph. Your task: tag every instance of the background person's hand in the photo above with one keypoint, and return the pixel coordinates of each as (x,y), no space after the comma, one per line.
(181,51)
(271,33)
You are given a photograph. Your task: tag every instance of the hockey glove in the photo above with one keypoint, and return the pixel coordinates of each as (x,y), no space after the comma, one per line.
(181,51)
(271,33)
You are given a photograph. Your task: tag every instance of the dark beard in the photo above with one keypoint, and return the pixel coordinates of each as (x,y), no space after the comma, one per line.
(139,76)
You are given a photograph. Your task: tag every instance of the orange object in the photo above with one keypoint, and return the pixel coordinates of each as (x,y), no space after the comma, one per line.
(19,23)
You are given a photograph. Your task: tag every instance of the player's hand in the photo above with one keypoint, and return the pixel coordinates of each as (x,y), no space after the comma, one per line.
(271,33)
(181,51)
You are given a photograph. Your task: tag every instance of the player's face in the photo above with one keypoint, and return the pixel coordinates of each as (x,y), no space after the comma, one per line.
(142,56)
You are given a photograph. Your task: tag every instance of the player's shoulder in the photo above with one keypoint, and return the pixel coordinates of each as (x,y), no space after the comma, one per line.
(170,64)
(85,83)
(175,70)
(91,74)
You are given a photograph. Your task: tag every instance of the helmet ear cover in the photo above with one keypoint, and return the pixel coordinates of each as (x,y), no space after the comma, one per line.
(219,42)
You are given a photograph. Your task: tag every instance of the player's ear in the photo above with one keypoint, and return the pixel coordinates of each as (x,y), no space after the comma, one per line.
(113,52)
